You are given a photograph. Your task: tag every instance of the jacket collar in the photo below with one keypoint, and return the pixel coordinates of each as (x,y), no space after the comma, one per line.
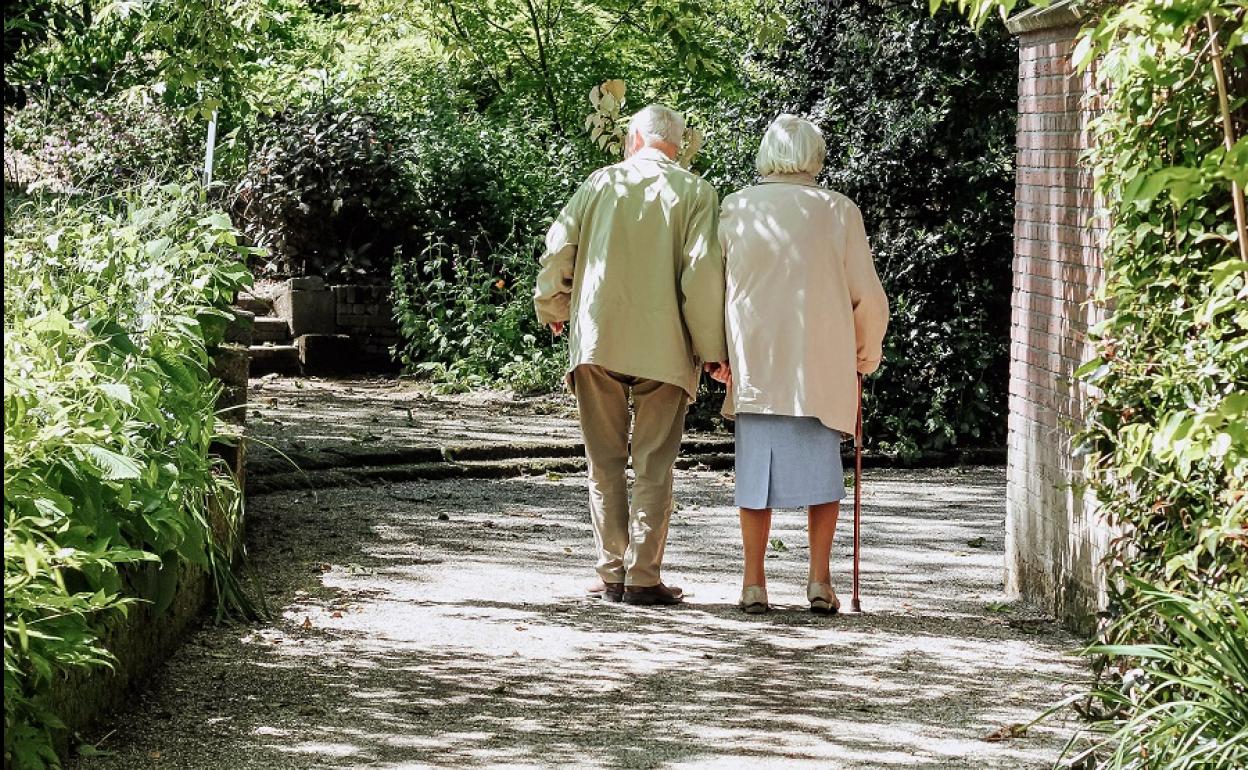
(651,153)
(798,178)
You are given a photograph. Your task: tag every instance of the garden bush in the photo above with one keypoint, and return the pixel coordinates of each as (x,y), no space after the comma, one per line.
(326,190)
(110,308)
(467,319)
(918,112)
(342,183)
(101,144)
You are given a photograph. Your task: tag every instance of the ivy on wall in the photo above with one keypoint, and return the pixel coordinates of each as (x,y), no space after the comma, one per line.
(1167,433)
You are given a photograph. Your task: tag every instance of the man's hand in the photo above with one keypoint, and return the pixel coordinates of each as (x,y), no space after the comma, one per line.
(556,328)
(720,371)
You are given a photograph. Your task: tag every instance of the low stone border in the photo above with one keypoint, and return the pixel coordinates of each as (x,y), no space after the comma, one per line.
(145,636)
(492,461)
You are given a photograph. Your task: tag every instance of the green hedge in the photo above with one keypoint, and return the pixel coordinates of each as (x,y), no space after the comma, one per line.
(919,115)
(110,308)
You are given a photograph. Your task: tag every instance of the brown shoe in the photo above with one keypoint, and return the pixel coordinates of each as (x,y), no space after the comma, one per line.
(612,592)
(650,595)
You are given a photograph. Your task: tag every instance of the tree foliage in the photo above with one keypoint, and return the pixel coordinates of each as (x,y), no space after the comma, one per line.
(556,51)
(195,54)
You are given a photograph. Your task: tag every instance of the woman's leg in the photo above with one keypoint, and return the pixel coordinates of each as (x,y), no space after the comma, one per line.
(755,526)
(822,527)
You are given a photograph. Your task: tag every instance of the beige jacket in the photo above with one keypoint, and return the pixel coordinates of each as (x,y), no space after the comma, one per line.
(805,309)
(633,263)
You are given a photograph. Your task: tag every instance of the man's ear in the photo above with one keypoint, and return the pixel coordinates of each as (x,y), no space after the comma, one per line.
(632,143)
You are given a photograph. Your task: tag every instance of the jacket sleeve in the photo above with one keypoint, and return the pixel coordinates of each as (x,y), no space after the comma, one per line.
(552,291)
(702,278)
(866,295)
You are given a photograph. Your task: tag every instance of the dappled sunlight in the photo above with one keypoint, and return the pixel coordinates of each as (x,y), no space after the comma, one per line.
(453,631)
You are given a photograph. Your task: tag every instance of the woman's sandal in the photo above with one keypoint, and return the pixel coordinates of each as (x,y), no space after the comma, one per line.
(753,600)
(822,598)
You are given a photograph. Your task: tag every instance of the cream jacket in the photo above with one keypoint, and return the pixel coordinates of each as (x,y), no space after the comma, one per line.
(805,309)
(634,264)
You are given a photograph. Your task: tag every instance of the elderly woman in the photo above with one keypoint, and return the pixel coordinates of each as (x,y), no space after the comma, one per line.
(806,316)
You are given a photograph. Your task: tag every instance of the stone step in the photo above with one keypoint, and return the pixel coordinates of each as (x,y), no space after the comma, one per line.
(280,359)
(239,330)
(270,329)
(261,306)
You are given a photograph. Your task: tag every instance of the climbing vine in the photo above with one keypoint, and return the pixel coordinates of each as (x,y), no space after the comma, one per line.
(1168,436)
(1166,439)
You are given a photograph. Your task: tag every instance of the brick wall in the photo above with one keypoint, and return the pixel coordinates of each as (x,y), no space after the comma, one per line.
(366,314)
(1054,542)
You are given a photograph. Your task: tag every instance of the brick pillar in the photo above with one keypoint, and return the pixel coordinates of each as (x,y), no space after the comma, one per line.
(1054,541)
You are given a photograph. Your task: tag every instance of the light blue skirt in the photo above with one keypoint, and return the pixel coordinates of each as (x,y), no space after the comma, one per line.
(787,462)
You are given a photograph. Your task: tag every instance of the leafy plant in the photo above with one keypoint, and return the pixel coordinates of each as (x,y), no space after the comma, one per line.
(918,113)
(1185,703)
(467,319)
(110,309)
(1166,437)
(605,124)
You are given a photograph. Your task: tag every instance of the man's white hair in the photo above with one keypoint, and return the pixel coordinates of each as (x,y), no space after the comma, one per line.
(791,145)
(657,123)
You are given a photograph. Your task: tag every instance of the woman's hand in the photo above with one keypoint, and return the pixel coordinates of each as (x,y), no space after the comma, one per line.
(720,371)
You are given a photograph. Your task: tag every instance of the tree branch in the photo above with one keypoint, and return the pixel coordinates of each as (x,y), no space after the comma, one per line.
(1228,135)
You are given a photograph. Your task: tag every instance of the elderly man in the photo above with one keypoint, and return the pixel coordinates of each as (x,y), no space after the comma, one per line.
(633,266)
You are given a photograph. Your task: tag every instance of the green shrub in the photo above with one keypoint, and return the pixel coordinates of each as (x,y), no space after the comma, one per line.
(918,112)
(102,144)
(110,309)
(467,319)
(339,184)
(326,190)
(1167,431)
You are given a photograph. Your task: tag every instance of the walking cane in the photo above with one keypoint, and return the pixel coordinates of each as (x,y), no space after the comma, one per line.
(855,603)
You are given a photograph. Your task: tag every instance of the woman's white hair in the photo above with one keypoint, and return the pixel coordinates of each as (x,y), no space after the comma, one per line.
(791,145)
(657,123)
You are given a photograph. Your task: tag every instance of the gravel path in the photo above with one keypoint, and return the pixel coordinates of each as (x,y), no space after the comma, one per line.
(440,624)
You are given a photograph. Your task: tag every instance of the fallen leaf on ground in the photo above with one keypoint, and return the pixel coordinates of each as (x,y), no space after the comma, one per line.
(307,623)
(1006,732)
(977,542)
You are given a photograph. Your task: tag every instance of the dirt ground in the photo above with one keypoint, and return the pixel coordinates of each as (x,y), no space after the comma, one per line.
(443,624)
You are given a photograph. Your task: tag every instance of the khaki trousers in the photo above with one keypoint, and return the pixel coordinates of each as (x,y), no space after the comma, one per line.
(630,541)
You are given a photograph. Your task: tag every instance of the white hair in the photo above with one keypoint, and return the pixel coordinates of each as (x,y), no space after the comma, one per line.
(791,145)
(656,123)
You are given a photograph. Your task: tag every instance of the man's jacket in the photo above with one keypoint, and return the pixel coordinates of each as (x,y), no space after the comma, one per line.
(633,264)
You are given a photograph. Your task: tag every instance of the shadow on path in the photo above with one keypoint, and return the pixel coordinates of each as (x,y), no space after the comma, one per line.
(441,624)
